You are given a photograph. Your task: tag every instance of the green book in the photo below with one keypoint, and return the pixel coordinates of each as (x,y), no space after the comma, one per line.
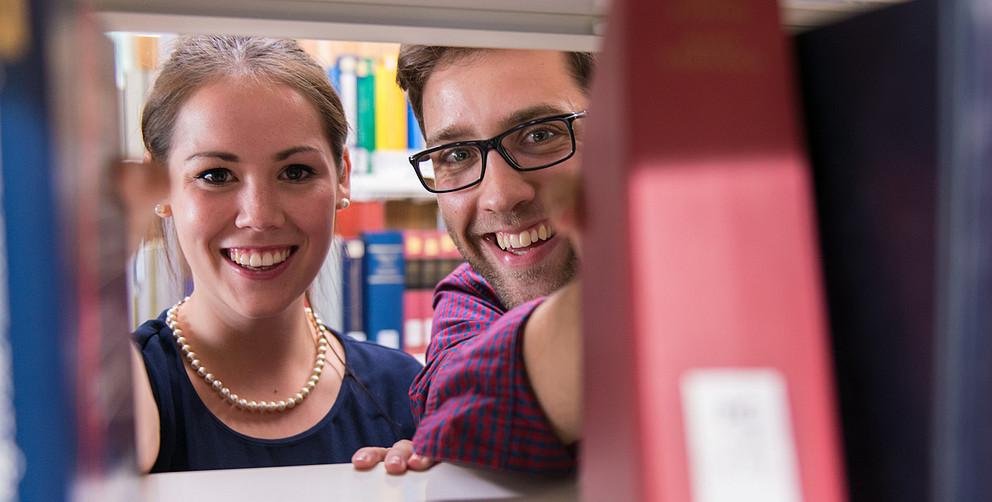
(366,104)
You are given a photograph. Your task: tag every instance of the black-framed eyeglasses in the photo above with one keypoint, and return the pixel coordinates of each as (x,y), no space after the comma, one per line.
(532,145)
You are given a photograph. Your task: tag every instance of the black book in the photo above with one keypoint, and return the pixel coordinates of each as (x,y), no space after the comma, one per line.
(898,106)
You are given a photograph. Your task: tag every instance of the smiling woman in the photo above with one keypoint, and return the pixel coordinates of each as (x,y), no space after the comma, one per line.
(252,137)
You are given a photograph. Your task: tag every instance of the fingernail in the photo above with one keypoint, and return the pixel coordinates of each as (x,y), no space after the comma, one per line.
(361,457)
(394,460)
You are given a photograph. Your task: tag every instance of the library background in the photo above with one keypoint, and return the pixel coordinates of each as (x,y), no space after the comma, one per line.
(797,198)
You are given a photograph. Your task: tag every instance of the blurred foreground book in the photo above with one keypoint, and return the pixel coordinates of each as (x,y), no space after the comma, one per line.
(69,434)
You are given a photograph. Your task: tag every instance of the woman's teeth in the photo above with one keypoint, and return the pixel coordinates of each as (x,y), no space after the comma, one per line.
(258,259)
(523,239)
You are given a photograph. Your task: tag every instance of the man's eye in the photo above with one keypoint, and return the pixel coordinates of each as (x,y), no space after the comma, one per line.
(540,136)
(298,172)
(216,176)
(454,156)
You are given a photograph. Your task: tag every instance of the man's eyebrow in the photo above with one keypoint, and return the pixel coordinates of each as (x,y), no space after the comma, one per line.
(225,156)
(531,113)
(448,134)
(461,133)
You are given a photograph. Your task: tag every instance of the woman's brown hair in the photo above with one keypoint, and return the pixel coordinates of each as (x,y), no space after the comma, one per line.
(201,59)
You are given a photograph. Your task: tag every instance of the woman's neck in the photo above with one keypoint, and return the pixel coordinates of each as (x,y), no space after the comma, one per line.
(232,344)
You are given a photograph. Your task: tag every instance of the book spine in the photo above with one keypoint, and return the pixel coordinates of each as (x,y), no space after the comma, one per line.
(348,91)
(384,282)
(413,333)
(365,97)
(433,273)
(390,108)
(352,288)
(710,284)
(414,136)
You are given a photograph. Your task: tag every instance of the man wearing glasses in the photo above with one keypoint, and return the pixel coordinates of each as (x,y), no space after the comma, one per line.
(504,130)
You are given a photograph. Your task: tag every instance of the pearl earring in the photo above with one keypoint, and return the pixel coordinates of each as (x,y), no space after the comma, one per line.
(161,210)
(344,203)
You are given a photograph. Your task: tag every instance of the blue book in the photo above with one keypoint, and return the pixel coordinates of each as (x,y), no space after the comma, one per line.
(414,137)
(352,289)
(334,76)
(385,270)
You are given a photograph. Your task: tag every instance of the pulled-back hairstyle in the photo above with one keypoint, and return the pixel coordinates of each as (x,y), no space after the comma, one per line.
(417,63)
(202,59)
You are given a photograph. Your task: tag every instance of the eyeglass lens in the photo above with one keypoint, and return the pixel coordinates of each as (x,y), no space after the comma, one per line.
(532,147)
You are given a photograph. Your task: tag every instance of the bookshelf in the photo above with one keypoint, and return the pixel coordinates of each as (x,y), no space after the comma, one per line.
(39,287)
(548,24)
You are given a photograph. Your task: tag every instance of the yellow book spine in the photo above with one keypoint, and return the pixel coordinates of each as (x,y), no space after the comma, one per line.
(390,107)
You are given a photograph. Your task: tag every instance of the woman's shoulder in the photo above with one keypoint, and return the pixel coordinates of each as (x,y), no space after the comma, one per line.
(151,333)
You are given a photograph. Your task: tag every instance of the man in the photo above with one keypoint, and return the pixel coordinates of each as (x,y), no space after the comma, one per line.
(504,130)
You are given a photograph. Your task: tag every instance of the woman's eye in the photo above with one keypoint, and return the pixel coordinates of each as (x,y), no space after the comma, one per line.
(298,172)
(217,176)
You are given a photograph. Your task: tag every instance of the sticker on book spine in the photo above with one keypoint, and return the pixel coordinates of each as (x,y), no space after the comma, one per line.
(739,436)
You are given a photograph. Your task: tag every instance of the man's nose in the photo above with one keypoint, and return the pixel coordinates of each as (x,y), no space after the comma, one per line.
(503,188)
(260,208)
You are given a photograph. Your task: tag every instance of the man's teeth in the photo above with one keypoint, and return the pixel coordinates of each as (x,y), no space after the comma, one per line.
(256,259)
(525,238)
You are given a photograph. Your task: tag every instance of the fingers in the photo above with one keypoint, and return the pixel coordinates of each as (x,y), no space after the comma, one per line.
(367,458)
(397,459)
(398,456)
(419,463)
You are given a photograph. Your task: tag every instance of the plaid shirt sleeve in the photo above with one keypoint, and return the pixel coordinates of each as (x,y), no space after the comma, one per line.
(473,399)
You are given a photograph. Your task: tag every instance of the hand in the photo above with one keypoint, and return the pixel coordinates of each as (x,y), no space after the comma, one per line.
(567,210)
(398,459)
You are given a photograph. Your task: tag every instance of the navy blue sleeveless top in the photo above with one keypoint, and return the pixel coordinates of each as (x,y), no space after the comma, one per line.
(372,409)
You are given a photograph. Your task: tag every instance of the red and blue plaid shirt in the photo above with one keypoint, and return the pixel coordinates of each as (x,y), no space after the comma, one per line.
(473,399)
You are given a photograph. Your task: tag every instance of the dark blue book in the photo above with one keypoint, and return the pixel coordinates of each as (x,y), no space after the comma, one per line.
(869,90)
(898,106)
(353,288)
(66,415)
(384,269)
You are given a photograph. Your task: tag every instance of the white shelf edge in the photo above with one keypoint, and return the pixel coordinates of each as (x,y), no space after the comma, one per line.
(421,34)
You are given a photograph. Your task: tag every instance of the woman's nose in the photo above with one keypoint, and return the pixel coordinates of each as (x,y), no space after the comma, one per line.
(260,208)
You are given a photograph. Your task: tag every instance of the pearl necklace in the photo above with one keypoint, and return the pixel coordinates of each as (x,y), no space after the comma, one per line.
(235,400)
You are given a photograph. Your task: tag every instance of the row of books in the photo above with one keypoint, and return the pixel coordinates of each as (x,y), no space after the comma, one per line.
(387,285)
(376,108)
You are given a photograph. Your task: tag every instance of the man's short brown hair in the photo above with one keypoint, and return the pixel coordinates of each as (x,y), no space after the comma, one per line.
(417,62)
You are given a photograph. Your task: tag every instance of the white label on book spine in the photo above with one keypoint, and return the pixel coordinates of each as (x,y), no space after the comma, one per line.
(388,338)
(739,436)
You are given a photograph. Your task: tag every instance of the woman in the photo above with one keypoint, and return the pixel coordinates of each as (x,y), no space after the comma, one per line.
(242,373)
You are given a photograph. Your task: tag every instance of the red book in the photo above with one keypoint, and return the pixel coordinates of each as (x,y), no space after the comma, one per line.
(361,216)
(433,273)
(707,362)
(414,338)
